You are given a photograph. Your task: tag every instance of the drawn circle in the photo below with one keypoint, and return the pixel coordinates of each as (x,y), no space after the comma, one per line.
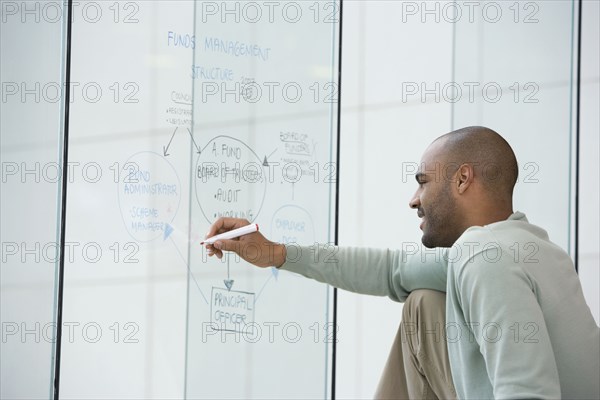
(292,224)
(148,195)
(229,180)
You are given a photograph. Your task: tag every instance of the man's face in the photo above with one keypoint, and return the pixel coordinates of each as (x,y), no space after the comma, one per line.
(434,201)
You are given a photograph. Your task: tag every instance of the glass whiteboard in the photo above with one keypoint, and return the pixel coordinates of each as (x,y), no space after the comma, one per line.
(264,112)
(163,103)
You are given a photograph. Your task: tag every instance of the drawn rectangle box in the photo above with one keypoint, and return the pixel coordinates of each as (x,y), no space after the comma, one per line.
(232,310)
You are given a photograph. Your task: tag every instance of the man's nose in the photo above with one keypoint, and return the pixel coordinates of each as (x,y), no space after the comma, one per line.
(415,202)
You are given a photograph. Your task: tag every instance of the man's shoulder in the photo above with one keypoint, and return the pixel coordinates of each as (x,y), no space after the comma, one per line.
(515,229)
(511,246)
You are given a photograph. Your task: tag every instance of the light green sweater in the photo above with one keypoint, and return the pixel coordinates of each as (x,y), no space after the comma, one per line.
(517,324)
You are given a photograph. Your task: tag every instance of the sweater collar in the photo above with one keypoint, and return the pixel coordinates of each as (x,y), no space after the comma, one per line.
(517,216)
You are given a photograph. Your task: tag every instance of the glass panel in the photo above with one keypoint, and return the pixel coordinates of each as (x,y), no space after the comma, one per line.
(31,125)
(512,71)
(265,92)
(125,285)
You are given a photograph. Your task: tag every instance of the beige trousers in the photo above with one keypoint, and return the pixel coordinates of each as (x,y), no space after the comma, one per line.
(418,366)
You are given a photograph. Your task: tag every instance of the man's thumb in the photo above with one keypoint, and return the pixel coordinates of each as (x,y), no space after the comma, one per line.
(228,245)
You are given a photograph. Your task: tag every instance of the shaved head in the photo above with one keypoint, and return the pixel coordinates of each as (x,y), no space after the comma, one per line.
(493,159)
(466,178)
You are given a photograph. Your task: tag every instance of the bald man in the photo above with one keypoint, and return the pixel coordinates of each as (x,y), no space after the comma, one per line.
(499,313)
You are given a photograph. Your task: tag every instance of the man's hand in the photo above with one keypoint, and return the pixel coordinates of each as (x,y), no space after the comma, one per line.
(254,248)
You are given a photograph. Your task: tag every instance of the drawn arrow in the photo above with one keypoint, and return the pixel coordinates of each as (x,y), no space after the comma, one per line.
(168,230)
(228,282)
(165,149)
(266,161)
(193,141)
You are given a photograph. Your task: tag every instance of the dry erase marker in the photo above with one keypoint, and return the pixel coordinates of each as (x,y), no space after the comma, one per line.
(244,230)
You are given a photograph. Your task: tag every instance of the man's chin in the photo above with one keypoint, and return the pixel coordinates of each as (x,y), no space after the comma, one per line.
(428,241)
(440,241)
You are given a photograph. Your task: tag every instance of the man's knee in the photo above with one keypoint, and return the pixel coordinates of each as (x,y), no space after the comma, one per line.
(423,301)
(423,317)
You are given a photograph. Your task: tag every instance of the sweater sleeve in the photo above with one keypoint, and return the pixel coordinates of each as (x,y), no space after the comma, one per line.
(501,309)
(379,272)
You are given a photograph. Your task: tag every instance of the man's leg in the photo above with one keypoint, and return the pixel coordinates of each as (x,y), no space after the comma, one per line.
(418,366)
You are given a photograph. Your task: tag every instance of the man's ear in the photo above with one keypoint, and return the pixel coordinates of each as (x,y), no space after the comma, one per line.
(464,177)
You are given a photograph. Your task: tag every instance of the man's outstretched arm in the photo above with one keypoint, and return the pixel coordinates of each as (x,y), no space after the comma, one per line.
(380,272)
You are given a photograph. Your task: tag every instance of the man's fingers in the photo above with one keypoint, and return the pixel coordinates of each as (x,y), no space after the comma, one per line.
(225,224)
(213,251)
(253,247)
(228,245)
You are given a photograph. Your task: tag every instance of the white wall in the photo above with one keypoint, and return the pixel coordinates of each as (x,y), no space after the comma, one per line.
(380,132)
(589,222)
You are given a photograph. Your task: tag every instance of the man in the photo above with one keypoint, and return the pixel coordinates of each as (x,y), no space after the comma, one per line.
(515,325)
